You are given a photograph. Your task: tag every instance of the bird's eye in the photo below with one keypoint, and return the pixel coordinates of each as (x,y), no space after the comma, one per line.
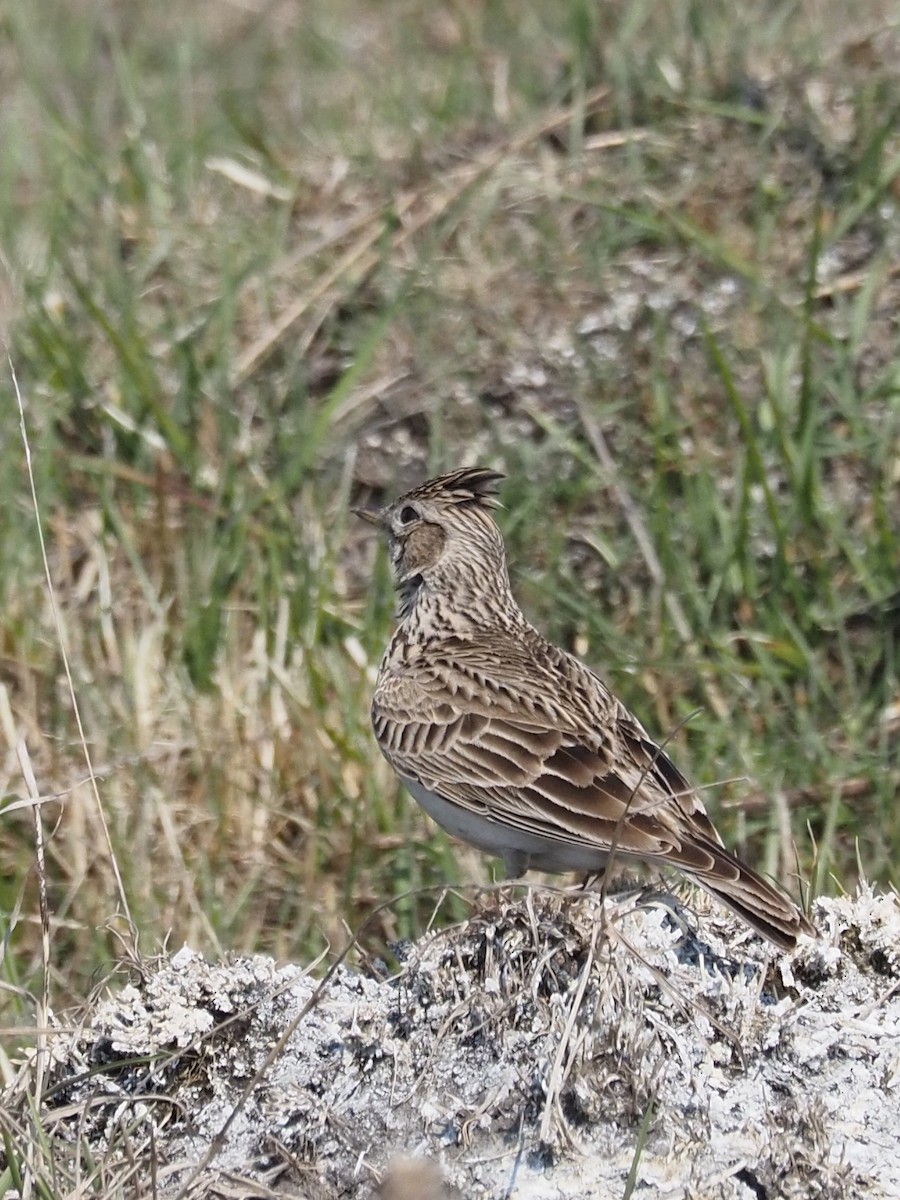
(408,514)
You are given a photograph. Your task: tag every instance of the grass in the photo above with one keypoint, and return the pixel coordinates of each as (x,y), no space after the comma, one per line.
(257,269)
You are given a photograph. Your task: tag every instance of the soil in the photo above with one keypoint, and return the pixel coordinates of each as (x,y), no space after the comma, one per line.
(554,1045)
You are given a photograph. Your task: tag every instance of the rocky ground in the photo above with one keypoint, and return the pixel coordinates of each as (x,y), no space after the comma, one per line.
(547,1047)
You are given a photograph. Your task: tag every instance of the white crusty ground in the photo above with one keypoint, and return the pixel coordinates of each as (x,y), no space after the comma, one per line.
(520,1052)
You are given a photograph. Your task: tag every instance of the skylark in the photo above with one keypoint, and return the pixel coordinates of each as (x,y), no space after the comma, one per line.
(514,745)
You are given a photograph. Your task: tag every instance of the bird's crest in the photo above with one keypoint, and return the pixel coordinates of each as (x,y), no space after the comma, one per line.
(469,486)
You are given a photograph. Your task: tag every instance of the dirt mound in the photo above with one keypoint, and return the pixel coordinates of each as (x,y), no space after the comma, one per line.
(548,1047)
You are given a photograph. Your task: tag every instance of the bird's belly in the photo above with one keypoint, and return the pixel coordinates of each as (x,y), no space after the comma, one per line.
(520,850)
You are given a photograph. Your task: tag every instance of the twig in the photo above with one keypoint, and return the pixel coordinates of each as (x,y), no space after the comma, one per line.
(43,1005)
(57,619)
(848,790)
(555,1079)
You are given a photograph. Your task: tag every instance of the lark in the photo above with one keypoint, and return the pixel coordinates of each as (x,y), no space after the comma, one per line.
(514,745)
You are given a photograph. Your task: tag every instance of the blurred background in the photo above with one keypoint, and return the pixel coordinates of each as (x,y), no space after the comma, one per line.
(263,260)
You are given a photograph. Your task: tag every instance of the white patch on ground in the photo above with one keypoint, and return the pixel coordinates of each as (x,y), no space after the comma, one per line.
(520,1052)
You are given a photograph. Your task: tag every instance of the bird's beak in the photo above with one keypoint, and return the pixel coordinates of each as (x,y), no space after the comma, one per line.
(374,516)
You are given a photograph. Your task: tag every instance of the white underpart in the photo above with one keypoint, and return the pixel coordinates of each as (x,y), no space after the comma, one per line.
(520,850)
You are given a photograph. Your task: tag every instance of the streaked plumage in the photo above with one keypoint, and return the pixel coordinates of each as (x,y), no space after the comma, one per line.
(514,745)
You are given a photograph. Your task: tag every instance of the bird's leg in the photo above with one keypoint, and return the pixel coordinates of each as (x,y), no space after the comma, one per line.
(589,882)
(619,884)
(515,863)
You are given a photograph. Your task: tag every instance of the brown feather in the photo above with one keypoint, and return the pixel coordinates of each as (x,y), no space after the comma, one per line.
(512,743)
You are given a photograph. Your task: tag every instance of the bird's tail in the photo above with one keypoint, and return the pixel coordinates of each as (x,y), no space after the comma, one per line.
(761,904)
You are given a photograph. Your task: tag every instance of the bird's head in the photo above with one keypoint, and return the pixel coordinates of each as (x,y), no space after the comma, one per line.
(442,531)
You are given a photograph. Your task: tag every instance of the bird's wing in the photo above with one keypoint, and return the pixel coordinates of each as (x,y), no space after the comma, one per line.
(542,746)
(535,740)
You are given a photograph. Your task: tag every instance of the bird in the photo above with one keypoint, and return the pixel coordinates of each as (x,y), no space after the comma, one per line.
(513,744)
